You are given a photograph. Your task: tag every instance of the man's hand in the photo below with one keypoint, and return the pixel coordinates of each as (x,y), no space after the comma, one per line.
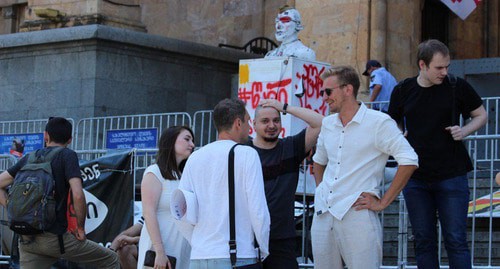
(79,234)
(272,103)
(368,201)
(456,132)
(124,240)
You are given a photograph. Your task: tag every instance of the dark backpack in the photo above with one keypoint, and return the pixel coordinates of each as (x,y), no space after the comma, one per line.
(31,206)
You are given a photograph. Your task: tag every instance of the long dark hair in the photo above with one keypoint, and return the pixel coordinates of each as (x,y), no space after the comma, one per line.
(166,152)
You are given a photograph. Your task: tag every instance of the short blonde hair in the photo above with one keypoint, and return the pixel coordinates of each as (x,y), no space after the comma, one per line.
(345,75)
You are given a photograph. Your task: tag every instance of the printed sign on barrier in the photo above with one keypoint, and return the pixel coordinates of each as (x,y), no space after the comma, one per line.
(20,144)
(134,138)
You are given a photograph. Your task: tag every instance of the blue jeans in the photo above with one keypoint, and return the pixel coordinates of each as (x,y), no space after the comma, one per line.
(219,263)
(450,199)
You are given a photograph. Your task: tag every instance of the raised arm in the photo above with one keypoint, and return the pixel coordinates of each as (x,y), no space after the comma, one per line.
(311,117)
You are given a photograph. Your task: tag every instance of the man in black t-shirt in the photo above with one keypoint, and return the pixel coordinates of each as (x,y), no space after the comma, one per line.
(428,108)
(42,250)
(281,159)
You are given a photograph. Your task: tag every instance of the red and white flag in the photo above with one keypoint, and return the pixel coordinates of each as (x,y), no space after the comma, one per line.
(461,7)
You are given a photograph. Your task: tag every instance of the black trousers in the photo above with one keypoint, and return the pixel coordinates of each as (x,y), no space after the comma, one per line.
(281,254)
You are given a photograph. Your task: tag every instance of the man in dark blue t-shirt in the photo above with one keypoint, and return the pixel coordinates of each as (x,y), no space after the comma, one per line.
(42,250)
(281,159)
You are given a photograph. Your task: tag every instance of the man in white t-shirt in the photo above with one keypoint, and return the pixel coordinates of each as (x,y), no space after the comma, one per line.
(206,175)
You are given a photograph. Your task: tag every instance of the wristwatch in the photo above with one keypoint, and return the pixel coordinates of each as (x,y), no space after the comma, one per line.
(284,108)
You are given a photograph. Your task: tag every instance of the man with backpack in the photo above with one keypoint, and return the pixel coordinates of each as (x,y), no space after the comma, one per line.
(428,108)
(51,173)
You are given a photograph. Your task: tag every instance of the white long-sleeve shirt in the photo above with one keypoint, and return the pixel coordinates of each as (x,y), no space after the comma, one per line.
(355,156)
(206,175)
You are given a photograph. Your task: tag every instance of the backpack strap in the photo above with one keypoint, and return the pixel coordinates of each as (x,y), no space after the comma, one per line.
(38,157)
(61,243)
(232,226)
(453,83)
(232,222)
(43,155)
(404,86)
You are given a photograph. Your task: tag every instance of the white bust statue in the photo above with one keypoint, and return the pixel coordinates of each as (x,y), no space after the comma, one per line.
(288,25)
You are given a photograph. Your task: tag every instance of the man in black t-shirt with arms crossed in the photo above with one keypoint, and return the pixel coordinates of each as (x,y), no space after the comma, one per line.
(281,159)
(428,107)
(42,250)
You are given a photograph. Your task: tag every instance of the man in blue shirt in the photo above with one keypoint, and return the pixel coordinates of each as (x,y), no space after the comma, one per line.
(381,84)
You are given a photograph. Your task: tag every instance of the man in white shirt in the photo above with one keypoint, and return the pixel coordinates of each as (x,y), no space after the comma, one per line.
(206,175)
(353,147)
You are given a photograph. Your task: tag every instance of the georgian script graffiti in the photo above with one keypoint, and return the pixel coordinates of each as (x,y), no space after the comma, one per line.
(311,84)
(261,90)
(264,90)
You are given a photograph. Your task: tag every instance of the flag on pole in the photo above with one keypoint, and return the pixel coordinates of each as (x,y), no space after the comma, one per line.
(463,8)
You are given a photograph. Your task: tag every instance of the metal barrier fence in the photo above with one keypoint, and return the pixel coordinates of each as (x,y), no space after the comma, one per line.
(90,142)
(92,133)
(203,128)
(26,127)
(6,234)
(484,150)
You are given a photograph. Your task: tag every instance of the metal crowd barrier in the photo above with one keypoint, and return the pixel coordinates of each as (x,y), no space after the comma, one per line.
(90,143)
(91,133)
(203,128)
(6,234)
(91,136)
(26,127)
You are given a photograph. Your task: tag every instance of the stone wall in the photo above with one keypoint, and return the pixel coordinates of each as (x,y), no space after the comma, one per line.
(96,70)
(341,31)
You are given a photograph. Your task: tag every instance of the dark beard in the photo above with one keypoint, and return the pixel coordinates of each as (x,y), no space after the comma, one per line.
(271,139)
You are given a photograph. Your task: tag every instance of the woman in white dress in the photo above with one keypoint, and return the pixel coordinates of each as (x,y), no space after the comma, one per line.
(159,181)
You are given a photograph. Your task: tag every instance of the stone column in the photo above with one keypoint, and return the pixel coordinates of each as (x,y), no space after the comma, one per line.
(378,30)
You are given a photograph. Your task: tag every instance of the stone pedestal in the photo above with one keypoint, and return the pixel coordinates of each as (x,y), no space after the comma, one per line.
(50,14)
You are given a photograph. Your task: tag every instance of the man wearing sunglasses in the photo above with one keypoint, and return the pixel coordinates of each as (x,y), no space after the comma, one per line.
(288,24)
(353,147)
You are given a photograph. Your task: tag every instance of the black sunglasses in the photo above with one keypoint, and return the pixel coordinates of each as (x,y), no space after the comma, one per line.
(329,91)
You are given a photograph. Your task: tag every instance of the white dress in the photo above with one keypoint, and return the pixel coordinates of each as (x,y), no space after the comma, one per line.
(173,242)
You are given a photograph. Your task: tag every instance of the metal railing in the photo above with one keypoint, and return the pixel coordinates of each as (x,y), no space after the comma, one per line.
(203,128)
(6,234)
(90,142)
